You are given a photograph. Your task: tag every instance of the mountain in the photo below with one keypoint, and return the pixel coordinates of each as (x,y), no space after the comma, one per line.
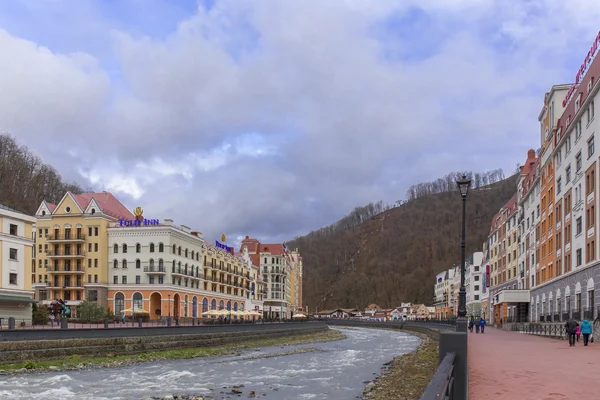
(25,180)
(385,255)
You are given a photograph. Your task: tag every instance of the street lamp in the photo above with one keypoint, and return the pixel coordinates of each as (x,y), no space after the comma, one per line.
(169,306)
(461,324)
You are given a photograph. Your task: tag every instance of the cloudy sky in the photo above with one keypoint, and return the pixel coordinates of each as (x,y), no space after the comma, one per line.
(274,118)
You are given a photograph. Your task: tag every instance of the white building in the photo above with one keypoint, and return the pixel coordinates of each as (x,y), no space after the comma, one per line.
(16,249)
(254,299)
(474,283)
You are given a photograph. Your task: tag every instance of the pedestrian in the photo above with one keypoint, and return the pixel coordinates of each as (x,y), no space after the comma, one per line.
(586,331)
(571,327)
(471,323)
(578,332)
(52,320)
(477,325)
(123,317)
(482,323)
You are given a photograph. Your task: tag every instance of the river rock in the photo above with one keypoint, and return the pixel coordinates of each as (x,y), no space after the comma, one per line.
(236,391)
(370,387)
(252,393)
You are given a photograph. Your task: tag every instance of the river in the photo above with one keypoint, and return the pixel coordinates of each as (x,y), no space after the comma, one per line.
(335,370)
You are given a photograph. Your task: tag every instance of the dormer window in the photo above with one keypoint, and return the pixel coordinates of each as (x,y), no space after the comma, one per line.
(43,212)
(68,209)
(93,211)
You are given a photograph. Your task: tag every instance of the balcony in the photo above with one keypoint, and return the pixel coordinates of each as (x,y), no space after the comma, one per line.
(71,237)
(65,253)
(66,270)
(155,270)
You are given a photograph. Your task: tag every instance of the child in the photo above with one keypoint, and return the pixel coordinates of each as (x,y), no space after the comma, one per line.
(578,332)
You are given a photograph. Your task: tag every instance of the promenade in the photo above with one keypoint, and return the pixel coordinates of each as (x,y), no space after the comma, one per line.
(510,365)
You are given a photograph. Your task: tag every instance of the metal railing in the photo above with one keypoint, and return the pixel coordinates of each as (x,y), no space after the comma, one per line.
(442,384)
(551,330)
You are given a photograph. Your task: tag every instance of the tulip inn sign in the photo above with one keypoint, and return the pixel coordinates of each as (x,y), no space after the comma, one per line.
(139,219)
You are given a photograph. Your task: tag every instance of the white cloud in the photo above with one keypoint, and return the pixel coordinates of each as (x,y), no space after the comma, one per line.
(270,118)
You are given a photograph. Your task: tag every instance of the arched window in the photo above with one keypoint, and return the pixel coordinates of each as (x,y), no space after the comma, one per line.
(204,305)
(119,303)
(229,305)
(138,263)
(173,266)
(186,269)
(138,301)
(235,306)
(186,253)
(161,248)
(115,263)
(161,264)
(221,305)
(151,263)
(213,304)
(194,307)
(124,263)
(138,248)
(179,250)
(151,247)
(179,265)
(124,248)
(192,254)
(116,248)
(174,249)
(185,306)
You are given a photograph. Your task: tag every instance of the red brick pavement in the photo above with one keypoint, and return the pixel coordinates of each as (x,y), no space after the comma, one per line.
(510,365)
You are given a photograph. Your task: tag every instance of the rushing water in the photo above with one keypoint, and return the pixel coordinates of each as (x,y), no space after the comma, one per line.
(336,370)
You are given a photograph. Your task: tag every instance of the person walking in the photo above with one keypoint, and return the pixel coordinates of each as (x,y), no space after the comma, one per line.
(571,327)
(586,331)
(477,322)
(578,332)
(52,320)
(482,324)
(471,323)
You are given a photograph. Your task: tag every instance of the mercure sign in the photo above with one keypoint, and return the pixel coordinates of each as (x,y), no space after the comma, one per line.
(583,68)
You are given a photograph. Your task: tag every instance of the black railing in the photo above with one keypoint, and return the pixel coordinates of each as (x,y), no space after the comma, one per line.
(155,269)
(71,236)
(442,383)
(551,330)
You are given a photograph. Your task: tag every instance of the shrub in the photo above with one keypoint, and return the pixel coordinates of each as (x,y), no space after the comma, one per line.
(39,315)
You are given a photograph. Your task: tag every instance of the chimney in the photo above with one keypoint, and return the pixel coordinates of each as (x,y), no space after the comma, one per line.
(185,228)
(168,222)
(197,234)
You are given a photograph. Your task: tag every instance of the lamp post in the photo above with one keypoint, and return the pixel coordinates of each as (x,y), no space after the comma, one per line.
(461,323)
(169,305)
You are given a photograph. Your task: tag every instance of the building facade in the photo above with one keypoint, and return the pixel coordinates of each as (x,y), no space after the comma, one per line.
(16,248)
(71,247)
(475,283)
(442,294)
(568,288)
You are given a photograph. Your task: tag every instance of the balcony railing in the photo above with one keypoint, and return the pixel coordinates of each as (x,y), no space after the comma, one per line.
(155,269)
(65,253)
(66,237)
(66,270)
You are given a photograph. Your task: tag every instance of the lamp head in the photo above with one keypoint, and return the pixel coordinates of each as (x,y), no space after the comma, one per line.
(463,184)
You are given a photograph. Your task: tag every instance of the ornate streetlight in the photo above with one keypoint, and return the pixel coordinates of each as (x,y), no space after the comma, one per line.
(461,324)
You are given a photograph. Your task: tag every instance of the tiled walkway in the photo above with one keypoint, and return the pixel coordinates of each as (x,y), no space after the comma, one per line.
(509,365)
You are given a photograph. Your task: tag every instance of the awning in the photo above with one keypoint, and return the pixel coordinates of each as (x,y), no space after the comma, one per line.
(16,299)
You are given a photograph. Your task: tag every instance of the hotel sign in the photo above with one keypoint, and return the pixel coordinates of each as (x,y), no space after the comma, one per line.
(583,68)
(224,247)
(487,275)
(139,219)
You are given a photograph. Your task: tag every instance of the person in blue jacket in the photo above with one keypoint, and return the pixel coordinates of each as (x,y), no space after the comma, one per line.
(482,324)
(586,331)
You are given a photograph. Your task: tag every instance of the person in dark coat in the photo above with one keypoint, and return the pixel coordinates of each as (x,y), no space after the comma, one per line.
(477,323)
(571,327)
(482,323)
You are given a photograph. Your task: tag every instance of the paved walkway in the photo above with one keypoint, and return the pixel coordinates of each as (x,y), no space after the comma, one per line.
(510,365)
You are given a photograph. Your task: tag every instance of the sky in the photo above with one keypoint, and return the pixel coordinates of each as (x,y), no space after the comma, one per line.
(274,118)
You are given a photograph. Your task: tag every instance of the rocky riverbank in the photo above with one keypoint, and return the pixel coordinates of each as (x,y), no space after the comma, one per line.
(407,376)
(80,363)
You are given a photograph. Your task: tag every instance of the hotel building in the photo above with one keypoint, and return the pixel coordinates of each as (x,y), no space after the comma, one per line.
(528,192)
(16,247)
(71,247)
(168,270)
(564,286)
(442,294)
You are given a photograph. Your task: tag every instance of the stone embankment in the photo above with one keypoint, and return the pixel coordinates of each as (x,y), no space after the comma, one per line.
(40,350)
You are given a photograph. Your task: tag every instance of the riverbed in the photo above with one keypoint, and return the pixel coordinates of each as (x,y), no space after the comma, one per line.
(336,370)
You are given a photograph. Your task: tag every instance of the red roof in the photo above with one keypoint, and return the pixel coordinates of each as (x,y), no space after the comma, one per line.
(51,206)
(108,203)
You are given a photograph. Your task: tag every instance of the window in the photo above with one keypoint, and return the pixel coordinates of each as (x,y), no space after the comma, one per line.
(95,263)
(124,264)
(476,297)
(115,248)
(90,231)
(96,231)
(138,248)
(124,248)
(68,209)
(578,162)
(115,264)
(124,279)
(138,264)
(13,230)
(95,246)
(558,185)
(12,254)
(151,247)
(578,257)
(590,144)
(95,278)
(476,287)
(138,279)
(161,248)
(579,227)
(568,174)
(12,278)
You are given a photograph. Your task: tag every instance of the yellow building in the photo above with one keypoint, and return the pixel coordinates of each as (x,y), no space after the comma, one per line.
(16,245)
(71,249)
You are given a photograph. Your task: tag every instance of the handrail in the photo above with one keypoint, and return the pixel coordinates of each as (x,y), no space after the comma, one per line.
(441,384)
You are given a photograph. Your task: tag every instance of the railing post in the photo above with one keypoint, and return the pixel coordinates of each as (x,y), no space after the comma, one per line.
(64,323)
(169,321)
(140,323)
(11,323)
(457,342)
(105,323)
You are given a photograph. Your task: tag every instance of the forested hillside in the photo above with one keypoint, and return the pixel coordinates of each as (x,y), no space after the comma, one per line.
(25,180)
(386,255)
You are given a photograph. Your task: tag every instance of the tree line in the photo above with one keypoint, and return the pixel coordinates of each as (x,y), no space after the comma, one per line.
(25,180)
(448,183)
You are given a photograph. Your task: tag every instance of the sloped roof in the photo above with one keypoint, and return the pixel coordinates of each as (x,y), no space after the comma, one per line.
(107,202)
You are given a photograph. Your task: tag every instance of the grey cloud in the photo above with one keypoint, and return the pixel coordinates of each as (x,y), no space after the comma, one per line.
(349,126)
